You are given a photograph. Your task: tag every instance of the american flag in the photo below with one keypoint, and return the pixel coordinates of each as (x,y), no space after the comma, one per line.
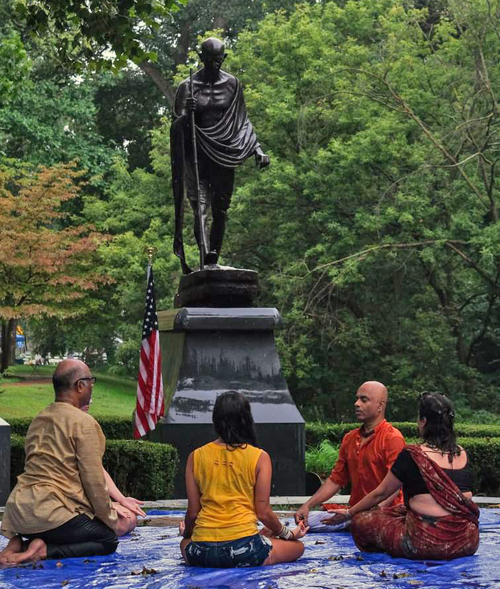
(150,404)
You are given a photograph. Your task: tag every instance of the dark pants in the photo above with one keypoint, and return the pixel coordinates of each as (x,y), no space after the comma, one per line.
(216,189)
(81,536)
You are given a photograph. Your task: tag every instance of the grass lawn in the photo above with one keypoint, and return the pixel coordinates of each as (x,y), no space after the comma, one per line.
(112,395)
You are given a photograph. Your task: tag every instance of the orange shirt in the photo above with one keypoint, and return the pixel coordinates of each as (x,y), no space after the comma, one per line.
(365,466)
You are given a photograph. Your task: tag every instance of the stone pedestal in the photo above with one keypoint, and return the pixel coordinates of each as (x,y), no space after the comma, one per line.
(218,286)
(208,351)
(4,462)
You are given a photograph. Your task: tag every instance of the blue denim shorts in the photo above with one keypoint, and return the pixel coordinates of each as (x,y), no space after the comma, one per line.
(250,551)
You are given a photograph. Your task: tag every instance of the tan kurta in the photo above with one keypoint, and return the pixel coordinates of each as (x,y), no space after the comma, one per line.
(63,474)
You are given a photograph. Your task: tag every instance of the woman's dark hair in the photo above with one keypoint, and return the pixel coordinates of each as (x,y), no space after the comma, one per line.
(438,431)
(233,421)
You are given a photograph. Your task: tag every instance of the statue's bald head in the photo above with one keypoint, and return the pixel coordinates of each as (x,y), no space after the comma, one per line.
(212,46)
(66,374)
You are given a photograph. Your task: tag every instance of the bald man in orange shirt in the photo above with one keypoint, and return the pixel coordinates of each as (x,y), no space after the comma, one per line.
(366,456)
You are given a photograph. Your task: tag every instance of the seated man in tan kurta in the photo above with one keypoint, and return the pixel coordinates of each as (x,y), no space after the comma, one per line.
(61,502)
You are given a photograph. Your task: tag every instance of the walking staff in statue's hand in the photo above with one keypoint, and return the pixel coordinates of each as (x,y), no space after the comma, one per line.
(224,138)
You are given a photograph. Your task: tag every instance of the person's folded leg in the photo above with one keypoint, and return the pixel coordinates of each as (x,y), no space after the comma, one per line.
(81,536)
(314,521)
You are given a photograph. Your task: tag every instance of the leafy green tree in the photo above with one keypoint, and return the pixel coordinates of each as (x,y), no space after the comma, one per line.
(102,33)
(55,120)
(383,135)
(138,213)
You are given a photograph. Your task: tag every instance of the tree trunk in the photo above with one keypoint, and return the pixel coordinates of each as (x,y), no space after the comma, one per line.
(8,344)
(153,71)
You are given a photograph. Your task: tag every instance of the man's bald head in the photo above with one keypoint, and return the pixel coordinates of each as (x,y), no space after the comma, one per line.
(375,388)
(371,401)
(66,374)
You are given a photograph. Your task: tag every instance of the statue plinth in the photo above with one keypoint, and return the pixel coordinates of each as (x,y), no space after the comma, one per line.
(218,286)
(206,352)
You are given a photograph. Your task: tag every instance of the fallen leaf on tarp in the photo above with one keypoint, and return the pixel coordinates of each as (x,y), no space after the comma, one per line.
(64,583)
(414,582)
(312,571)
(336,558)
(87,560)
(145,572)
(400,575)
(359,557)
(319,542)
(383,574)
(59,564)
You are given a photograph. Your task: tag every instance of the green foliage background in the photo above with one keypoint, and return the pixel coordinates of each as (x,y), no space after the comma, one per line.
(375,230)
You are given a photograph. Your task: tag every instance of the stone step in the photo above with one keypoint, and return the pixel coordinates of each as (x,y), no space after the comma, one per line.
(288,503)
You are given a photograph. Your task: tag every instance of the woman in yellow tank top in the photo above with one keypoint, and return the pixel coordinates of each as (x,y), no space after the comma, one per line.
(228,485)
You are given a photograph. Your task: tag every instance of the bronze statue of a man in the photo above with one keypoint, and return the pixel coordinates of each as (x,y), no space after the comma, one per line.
(223,138)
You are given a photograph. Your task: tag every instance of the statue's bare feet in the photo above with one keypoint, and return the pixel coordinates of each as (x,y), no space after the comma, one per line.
(15,546)
(37,550)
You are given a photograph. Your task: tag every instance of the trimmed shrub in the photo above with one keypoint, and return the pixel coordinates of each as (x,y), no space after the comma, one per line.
(113,427)
(16,458)
(118,428)
(19,425)
(144,470)
(484,455)
(334,432)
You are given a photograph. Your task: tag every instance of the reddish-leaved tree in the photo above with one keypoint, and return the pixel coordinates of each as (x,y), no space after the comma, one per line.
(47,261)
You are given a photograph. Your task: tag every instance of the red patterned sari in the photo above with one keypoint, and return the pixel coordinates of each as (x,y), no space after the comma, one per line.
(401,532)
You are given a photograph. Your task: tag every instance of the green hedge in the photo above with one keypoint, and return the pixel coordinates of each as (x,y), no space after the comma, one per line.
(140,469)
(334,432)
(114,428)
(484,456)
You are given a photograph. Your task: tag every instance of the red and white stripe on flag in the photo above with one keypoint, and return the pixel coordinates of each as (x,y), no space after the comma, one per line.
(150,402)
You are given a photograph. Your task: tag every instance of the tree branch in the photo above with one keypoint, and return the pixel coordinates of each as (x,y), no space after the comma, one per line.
(159,79)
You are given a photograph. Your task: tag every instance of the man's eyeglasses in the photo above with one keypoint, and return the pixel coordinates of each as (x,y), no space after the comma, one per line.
(92,380)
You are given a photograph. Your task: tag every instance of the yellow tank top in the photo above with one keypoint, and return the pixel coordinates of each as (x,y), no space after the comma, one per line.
(226,479)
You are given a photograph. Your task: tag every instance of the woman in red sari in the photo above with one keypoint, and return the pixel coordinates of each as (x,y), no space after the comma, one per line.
(439,519)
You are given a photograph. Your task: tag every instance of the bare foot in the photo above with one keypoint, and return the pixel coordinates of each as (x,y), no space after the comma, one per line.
(14,546)
(37,550)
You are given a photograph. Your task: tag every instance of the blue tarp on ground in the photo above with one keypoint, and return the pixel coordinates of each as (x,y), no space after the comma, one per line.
(330,561)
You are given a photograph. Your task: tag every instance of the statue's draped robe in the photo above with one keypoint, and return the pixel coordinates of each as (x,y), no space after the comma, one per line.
(228,144)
